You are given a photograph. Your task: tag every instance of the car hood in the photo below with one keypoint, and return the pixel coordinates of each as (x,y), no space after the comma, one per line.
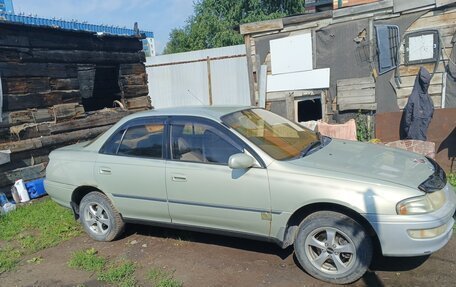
(370,161)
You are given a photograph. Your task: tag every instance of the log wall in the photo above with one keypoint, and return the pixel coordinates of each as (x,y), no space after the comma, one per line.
(45,81)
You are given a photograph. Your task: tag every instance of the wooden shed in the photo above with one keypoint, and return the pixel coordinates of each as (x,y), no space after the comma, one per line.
(62,86)
(362,57)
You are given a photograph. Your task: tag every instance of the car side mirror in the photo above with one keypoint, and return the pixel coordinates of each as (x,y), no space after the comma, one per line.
(240,161)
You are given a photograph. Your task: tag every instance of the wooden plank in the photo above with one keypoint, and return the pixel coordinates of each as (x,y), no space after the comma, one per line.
(27,36)
(409,81)
(356,81)
(435,21)
(406,92)
(369,107)
(82,57)
(136,69)
(293,20)
(436,99)
(139,102)
(356,100)
(140,79)
(38,70)
(262,26)
(13,102)
(64,84)
(26,116)
(356,87)
(356,93)
(131,91)
(25,85)
(31,144)
(101,118)
(9,55)
(414,69)
(26,173)
(65,111)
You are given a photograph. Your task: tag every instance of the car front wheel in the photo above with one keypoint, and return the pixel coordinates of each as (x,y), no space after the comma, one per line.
(333,247)
(99,217)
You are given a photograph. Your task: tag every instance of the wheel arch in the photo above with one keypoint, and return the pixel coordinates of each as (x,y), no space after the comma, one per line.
(78,194)
(299,215)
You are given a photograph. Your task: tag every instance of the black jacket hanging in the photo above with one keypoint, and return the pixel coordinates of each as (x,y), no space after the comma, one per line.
(419,109)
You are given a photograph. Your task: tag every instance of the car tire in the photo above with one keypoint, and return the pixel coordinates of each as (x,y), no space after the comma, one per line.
(333,247)
(99,217)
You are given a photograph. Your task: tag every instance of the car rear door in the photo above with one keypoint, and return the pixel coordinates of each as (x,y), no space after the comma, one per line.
(131,169)
(203,190)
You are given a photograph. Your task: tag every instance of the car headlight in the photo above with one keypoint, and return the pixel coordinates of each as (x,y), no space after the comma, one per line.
(422,204)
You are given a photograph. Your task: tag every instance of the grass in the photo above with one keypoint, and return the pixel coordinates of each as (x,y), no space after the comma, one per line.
(161,278)
(87,260)
(120,274)
(31,228)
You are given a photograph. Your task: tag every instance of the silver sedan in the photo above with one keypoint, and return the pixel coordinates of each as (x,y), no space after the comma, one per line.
(251,173)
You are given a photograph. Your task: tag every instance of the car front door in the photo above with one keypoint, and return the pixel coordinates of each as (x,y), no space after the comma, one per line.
(203,190)
(131,169)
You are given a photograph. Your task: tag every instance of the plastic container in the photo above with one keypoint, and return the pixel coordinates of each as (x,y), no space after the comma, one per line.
(35,188)
(22,190)
(5,205)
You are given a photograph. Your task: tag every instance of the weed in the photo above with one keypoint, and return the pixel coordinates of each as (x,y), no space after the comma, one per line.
(364,130)
(120,274)
(452,179)
(161,278)
(34,227)
(87,260)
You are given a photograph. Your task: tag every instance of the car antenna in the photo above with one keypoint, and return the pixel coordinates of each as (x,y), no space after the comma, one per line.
(191,94)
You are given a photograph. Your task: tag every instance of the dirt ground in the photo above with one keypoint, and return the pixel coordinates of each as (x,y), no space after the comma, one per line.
(207,260)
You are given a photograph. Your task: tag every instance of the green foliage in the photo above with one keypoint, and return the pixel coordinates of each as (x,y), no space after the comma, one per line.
(34,227)
(161,278)
(120,274)
(215,22)
(87,260)
(364,132)
(452,179)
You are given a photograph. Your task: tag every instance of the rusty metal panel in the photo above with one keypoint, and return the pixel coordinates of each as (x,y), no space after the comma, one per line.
(442,131)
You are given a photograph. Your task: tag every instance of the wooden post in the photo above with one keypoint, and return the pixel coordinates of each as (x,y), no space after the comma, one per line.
(209,79)
(262,86)
(248,49)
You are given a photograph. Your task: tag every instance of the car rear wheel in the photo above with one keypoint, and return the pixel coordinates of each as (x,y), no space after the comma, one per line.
(333,247)
(99,217)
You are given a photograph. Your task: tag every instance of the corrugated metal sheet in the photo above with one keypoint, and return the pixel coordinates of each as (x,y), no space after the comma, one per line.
(182,79)
(72,25)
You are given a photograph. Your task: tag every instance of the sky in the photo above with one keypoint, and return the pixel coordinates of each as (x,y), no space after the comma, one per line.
(158,16)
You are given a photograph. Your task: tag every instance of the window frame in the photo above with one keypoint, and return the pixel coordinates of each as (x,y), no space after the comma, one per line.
(135,123)
(221,128)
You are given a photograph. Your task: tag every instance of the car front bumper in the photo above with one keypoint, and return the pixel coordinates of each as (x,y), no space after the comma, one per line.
(392,230)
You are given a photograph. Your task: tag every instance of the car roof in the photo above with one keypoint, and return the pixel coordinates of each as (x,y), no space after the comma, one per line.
(212,112)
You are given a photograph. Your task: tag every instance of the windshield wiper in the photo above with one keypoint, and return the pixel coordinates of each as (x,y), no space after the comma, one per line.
(309,147)
(320,143)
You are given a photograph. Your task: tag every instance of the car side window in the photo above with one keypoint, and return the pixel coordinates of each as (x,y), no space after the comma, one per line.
(145,140)
(200,142)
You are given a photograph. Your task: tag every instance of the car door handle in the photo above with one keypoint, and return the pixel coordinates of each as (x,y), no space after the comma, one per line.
(179,178)
(105,170)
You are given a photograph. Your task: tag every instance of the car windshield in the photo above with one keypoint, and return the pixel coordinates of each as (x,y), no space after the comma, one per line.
(278,137)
